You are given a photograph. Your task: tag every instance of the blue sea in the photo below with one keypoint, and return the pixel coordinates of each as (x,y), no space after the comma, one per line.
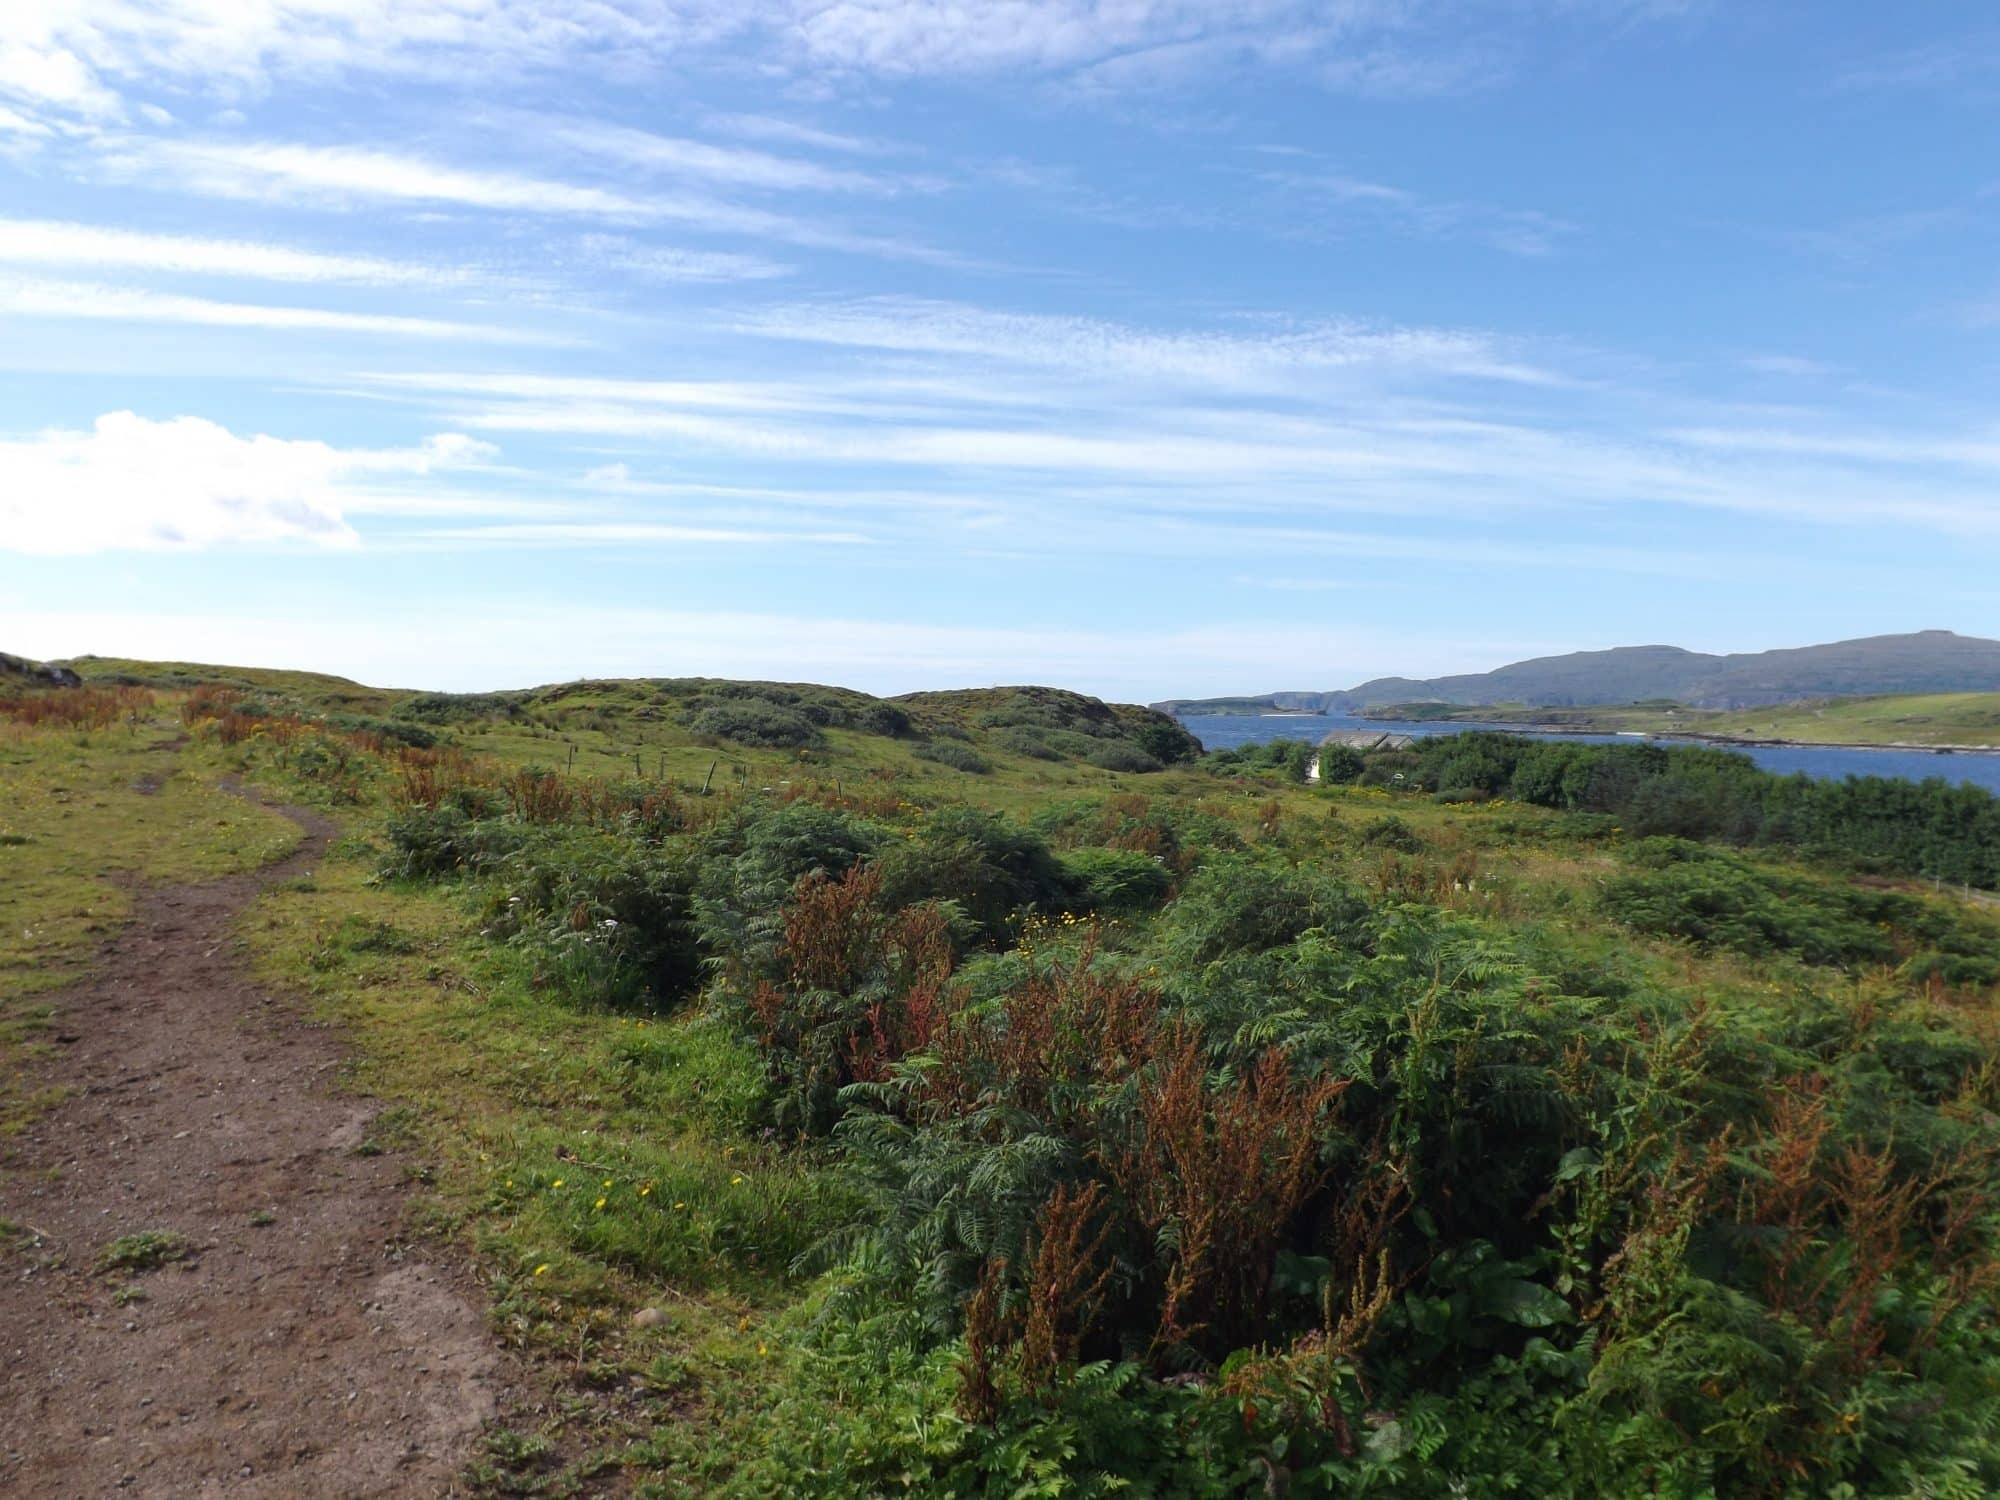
(1224,731)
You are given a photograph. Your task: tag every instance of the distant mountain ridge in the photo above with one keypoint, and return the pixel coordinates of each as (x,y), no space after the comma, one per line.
(1926,661)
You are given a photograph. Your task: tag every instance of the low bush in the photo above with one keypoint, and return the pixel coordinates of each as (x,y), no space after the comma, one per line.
(757,723)
(1113,755)
(1020,740)
(1118,881)
(603,919)
(957,757)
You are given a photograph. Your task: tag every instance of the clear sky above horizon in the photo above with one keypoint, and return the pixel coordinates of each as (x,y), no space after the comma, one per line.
(1147,347)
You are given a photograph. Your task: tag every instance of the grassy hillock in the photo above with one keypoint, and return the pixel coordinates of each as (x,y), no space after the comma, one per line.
(1968,719)
(1915,719)
(827,1118)
(1925,661)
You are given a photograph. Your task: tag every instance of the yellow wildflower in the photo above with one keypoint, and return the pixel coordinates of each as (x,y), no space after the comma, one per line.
(557,1183)
(600,1202)
(542,1269)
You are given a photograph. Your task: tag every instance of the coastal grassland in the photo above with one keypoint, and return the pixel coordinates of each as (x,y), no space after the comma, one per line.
(83,816)
(1917,719)
(1959,719)
(1501,1118)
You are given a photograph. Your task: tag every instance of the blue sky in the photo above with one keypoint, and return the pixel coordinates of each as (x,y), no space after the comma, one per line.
(1146,347)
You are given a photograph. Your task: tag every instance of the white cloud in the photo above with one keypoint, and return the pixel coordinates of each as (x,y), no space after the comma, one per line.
(81,55)
(13,123)
(93,59)
(676,263)
(627,533)
(37,298)
(947,328)
(1351,200)
(135,484)
(341,175)
(259,171)
(794,133)
(1790,365)
(733,166)
(50,243)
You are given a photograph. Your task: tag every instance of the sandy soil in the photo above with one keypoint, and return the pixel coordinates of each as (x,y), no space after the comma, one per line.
(302,1347)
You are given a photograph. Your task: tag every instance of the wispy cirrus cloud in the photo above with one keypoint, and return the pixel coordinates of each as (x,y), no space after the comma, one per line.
(1972,57)
(84,56)
(54,243)
(735,167)
(339,176)
(35,297)
(1337,201)
(678,263)
(797,133)
(933,327)
(101,59)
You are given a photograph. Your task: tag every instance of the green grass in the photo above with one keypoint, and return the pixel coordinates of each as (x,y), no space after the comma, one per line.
(147,1250)
(600,1164)
(1971,719)
(84,819)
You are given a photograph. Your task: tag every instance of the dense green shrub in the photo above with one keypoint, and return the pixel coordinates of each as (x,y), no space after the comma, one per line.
(1291,759)
(1241,903)
(1719,900)
(1391,832)
(604,919)
(395,731)
(755,722)
(459,708)
(1020,740)
(1931,828)
(427,843)
(1118,881)
(957,757)
(1115,756)
(882,718)
(749,864)
(990,868)
(1340,765)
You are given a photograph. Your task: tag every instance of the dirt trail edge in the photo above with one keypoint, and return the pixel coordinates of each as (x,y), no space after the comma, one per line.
(299,1347)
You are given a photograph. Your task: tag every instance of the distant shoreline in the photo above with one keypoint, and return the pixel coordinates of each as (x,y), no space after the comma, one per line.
(1679,736)
(1745,741)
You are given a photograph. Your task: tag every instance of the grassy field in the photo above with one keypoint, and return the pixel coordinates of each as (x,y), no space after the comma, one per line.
(83,816)
(1536,1023)
(1969,719)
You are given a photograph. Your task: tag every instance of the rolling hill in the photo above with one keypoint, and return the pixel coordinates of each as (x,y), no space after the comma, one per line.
(1926,661)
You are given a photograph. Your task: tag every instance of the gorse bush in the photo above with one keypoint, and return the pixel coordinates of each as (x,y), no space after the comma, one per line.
(958,757)
(1117,757)
(755,722)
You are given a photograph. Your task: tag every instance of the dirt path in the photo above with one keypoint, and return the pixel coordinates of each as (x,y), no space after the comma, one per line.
(299,1349)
